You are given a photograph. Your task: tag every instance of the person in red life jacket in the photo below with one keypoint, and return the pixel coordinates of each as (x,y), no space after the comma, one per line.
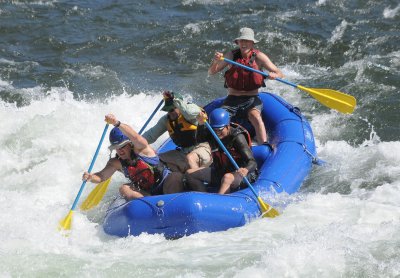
(181,124)
(242,100)
(237,141)
(137,160)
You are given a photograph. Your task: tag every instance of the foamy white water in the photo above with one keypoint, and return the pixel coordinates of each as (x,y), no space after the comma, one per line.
(344,222)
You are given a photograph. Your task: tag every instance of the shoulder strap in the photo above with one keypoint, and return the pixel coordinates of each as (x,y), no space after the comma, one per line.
(239,129)
(253,57)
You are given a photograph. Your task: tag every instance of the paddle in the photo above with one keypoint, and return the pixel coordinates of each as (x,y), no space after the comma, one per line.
(97,194)
(266,210)
(330,98)
(94,198)
(66,222)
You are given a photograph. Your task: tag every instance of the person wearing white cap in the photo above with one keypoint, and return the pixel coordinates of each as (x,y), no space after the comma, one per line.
(242,100)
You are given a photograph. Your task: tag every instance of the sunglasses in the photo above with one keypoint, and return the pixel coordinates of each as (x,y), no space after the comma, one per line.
(218,129)
(119,149)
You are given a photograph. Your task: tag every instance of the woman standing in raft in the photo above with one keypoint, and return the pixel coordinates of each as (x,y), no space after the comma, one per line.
(243,85)
(138,161)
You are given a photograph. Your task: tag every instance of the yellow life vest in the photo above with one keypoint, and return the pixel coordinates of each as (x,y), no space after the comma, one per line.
(182,132)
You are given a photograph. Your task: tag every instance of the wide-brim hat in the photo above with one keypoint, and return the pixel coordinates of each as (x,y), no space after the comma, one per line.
(118,145)
(246,34)
(168,105)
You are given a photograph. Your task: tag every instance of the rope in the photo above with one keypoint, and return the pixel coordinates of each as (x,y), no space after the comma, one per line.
(296,111)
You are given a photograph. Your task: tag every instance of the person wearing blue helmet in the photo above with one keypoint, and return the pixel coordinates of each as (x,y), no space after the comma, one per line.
(138,161)
(222,173)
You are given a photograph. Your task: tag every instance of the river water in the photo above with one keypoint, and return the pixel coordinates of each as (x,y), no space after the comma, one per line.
(65,64)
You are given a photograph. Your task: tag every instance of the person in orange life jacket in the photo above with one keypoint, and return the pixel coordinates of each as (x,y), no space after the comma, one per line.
(181,124)
(242,100)
(137,160)
(222,172)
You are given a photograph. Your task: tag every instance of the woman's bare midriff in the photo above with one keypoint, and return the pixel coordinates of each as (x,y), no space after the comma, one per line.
(234,92)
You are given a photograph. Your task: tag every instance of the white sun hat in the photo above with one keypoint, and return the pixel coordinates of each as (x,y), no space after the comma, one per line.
(246,33)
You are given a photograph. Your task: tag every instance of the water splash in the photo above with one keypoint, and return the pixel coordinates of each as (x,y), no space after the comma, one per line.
(391,13)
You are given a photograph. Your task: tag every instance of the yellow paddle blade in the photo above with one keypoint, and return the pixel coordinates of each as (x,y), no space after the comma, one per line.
(267,210)
(65,224)
(96,195)
(333,99)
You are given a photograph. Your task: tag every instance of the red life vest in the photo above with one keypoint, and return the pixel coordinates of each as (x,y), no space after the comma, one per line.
(141,174)
(242,79)
(220,159)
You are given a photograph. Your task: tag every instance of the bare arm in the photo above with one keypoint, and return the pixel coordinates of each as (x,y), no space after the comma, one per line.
(140,144)
(110,168)
(218,64)
(264,61)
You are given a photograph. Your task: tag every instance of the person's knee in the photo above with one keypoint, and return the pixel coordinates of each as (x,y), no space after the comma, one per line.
(228,178)
(123,189)
(128,193)
(192,159)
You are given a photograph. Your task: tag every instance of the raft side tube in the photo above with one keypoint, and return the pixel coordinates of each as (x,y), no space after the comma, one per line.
(282,170)
(182,214)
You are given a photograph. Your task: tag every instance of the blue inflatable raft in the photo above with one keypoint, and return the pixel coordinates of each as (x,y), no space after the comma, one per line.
(186,213)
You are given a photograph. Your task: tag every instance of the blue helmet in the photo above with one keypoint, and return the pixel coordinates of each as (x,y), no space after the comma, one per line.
(117,139)
(219,118)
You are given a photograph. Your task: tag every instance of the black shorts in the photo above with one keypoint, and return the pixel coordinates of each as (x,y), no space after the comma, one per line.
(239,106)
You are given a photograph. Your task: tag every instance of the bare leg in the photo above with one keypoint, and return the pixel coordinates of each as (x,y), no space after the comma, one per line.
(256,120)
(230,181)
(173,183)
(129,194)
(226,182)
(196,178)
(200,156)
(193,160)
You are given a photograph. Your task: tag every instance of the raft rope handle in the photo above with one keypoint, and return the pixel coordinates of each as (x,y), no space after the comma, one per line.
(296,111)
(314,159)
(155,207)
(159,211)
